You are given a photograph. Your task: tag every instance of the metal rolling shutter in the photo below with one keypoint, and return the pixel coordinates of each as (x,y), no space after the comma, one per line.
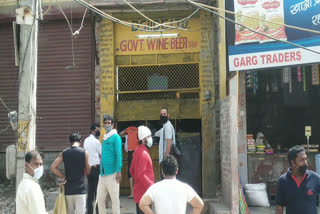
(64,96)
(8,84)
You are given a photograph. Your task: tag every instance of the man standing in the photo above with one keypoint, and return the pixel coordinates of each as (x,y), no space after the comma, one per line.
(166,134)
(76,162)
(29,197)
(170,196)
(110,167)
(132,133)
(93,147)
(298,187)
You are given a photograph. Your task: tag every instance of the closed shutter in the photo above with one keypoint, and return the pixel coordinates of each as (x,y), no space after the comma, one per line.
(64,95)
(8,84)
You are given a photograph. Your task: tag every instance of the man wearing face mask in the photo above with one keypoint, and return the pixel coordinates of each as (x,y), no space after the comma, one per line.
(29,197)
(298,188)
(166,134)
(93,147)
(110,167)
(141,167)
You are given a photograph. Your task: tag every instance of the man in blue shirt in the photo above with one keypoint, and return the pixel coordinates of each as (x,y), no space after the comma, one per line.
(298,188)
(110,167)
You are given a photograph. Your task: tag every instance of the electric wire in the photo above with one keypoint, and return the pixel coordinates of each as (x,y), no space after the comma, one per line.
(116,20)
(3,130)
(73,34)
(49,7)
(260,19)
(25,52)
(157,23)
(4,104)
(263,34)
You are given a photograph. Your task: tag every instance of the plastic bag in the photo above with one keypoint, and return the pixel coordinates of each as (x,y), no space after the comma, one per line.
(256,195)
(60,205)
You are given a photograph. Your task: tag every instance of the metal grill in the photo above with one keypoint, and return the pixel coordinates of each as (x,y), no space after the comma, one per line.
(158,82)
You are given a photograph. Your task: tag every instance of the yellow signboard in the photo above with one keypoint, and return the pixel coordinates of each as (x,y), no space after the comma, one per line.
(148,40)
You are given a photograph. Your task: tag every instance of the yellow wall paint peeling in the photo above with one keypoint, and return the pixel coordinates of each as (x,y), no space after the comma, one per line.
(107,82)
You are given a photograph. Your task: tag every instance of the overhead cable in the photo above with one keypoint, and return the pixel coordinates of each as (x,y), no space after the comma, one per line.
(137,25)
(157,23)
(4,104)
(254,31)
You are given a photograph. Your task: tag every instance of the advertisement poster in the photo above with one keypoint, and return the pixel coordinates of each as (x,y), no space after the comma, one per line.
(248,50)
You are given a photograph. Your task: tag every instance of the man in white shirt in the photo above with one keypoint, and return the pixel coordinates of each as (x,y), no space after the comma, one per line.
(170,196)
(29,197)
(93,147)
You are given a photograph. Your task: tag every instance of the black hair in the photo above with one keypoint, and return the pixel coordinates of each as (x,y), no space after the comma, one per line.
(30,155)
(293,153)
(108,117)
(169,165)
(94,126)
(163,107)
(75,137)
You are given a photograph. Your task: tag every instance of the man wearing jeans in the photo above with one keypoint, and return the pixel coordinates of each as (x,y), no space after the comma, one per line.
(110,167)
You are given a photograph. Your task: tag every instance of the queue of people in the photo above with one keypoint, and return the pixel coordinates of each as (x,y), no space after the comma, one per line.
(101,163)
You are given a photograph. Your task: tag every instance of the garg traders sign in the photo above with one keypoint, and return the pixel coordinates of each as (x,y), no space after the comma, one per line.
(248,50)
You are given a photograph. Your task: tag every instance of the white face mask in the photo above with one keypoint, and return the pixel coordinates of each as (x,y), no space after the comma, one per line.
(38,172)
(149,142)
(259,141)
(108,128)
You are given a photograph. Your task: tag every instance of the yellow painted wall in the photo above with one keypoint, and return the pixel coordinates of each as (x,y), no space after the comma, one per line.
(128,43)
(222,53)
(107,67)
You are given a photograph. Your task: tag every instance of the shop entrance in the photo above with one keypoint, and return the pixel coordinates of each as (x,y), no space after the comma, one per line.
(280,103)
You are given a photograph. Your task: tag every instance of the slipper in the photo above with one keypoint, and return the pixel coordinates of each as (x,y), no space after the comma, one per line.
(130,197)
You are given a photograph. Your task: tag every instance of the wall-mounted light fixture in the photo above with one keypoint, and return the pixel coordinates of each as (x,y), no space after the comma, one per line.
(148,36)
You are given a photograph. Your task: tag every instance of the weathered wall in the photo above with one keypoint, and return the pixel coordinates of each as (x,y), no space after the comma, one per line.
(229,154)
(209,70)
(242,129)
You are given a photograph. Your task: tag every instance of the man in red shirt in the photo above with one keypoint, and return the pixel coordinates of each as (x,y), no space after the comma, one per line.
(132,133)
(141,168)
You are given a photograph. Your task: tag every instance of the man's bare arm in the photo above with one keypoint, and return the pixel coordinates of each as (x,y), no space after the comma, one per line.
(87,165)
(197,204)
(168,148)
(54,167)
(279,209)
(145,203)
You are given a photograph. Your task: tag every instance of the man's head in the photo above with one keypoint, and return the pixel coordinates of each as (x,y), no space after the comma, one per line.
(144,136)
(169,166)
(75,137)
(108,122)
(298,159)
(33,161)
(164,115)
(95,129)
